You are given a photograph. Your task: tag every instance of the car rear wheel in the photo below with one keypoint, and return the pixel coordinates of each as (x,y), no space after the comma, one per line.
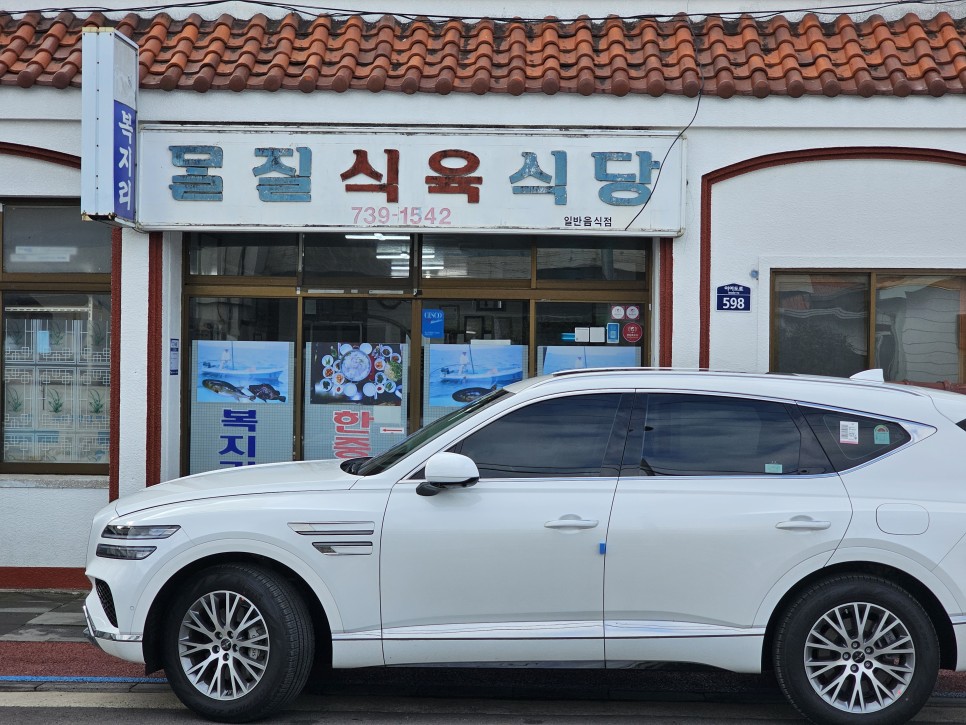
(856,649)
(238,643)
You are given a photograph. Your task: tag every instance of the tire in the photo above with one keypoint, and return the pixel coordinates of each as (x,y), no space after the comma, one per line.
(856,649)
(238,643)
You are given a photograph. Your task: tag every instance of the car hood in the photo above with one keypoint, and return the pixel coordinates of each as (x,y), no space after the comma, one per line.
(242,481)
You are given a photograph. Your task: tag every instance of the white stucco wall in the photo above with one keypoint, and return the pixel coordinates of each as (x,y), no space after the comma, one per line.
(842,214)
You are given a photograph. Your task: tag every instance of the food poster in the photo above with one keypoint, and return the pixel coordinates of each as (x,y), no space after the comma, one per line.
(242,411)
(254,372)
(553,358)
(355,401)
(459,374)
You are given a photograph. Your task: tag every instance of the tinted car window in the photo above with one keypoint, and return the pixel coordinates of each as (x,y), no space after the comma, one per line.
(700,435)
(562,437)
(850,440)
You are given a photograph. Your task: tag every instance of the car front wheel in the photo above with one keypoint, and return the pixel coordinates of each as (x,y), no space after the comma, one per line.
(856,649)
(238,643)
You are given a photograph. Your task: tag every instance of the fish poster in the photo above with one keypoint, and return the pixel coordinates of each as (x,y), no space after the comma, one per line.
(362,373)
(243,372)
(459,374)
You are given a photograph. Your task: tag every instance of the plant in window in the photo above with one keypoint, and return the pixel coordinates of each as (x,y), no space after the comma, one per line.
(95,403)
(15,335)
(55,400)
(57,332)
(13,399)
(98,334)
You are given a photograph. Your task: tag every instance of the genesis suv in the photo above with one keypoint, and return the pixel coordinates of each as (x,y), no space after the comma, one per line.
(811,526)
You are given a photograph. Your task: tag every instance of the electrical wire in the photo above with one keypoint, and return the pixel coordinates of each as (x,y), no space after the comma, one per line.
(299,8)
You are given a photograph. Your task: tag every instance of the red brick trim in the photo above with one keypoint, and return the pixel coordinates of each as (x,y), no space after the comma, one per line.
(152,458)
(43,577)
(780,159)
(35,152)
(114,466)
(666,311)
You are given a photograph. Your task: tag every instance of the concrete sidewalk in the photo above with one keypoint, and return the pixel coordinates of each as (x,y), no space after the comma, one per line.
(43,615)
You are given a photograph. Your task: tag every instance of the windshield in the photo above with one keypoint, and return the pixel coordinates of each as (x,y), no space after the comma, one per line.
(427,433)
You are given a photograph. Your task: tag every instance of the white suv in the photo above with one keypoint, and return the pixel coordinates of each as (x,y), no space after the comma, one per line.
(813,526)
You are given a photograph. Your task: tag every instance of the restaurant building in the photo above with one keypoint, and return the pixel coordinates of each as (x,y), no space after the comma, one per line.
(325,231)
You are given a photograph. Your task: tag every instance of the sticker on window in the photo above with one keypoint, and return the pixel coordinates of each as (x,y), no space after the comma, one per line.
(849,432)
(773,468)
(880,435)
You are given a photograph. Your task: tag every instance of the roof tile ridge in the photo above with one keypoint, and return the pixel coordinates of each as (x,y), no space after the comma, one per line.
(151,43)
(481,46)
(923,54)
(650,33)
(516,51)
(691,71)
(217,44)
(184,43)
(417,50)
(350,35)
(449,56)
(19,40)
(586,58)
(547,40)
(854,56)
(614,55)
(755,58)
(954,43)
(254,34)
(883,34)
(44,54)
(811,30)
(382,53)
(70,66)
(719,57)
(787,56)
(316,45)
(280,57)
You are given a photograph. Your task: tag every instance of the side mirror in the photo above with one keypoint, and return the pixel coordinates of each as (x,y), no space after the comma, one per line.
(447,470)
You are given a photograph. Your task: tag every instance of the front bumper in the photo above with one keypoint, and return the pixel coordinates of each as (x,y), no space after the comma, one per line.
(125,646)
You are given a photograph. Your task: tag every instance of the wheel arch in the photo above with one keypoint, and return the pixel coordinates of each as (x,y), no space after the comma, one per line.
(159,607)
(924,595)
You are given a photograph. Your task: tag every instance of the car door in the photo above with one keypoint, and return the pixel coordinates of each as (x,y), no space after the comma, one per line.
(510,569)
(721,497)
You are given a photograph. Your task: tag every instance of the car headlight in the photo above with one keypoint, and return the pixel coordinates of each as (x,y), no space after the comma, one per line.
(123,531)
(110,551)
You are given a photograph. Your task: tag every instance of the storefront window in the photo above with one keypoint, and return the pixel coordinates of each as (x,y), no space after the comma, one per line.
(361,255)
(56,318)
(243,254)
(480,256)
(471,347)
(600,260)
(56,378)
(242,368)
(53,238)
(919,332)
(357,358)
(574,335)
(822,323)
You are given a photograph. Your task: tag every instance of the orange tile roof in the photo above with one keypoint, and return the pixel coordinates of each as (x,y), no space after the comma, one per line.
(714,56)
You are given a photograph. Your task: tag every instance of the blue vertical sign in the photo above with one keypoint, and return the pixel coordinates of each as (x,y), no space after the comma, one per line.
(125,156)
(109,129)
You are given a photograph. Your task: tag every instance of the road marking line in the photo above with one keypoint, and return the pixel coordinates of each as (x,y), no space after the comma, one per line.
(116,700)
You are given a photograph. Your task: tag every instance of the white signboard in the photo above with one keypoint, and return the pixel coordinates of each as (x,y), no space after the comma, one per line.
(333,178)
(109,126)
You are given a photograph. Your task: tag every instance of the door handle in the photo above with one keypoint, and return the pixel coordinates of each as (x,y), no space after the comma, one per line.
(803,524)
(571,522)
